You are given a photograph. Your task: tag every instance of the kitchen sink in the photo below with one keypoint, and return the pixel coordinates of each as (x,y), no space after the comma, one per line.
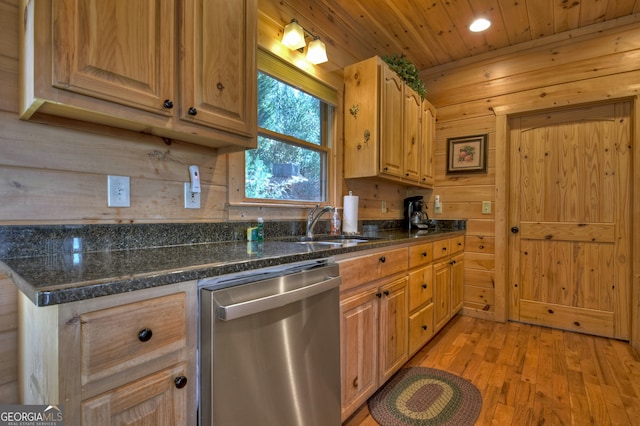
(336,241)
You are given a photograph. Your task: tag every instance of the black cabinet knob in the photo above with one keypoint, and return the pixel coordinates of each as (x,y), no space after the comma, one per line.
(383,259)
(192,111)
(515,229)
(145,334)
(167,104)
(180,381)
(424,327)
(424,286)
(220,86)
(453,262)
(386,292)
(378,295)
(424,254)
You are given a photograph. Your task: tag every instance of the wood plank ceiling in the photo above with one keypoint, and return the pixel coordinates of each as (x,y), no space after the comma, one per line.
(435,32)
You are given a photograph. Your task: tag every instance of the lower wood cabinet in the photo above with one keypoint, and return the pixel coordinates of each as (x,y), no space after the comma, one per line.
(448,282)
(392,303)
(374,340)
(153,400)
(122,359)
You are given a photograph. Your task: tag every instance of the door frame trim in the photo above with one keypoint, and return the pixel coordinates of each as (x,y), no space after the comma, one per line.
(501,268)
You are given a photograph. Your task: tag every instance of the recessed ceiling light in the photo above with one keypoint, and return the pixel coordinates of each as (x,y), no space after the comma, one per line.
(480,24)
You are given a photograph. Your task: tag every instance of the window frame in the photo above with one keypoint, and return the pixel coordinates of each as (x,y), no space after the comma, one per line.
(295,77)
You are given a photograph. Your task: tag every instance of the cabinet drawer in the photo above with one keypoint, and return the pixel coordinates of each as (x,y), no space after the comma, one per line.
(441,249)
(131,335)
(371,267)
(420,254)
(456,244)
(420,328)
(420,287)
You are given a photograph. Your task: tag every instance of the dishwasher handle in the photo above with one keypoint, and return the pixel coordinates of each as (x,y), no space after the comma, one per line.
(254,306)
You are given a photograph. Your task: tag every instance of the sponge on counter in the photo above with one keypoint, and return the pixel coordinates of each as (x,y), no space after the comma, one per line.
(252,233)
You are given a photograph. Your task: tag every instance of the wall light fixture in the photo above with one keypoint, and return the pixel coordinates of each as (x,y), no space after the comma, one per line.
(294,38)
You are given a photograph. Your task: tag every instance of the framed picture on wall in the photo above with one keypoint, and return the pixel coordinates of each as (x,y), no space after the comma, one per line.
(467,154)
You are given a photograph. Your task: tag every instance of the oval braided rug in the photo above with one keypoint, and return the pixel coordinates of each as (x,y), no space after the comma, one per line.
(426,396)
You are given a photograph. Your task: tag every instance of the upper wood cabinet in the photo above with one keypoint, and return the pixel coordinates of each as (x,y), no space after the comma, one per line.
(136,66)
(384,130)
(427,143)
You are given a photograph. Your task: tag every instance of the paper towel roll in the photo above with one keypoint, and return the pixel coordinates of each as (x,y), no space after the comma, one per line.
(350,214)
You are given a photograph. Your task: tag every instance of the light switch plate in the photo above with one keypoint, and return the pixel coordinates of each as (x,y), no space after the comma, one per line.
(118,191)
(486,207)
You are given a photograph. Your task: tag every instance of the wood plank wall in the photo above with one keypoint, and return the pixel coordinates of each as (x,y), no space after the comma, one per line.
(473,97)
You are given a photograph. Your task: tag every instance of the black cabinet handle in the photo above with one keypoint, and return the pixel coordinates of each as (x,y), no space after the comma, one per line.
(145,334)
(180,381)
(167,104)
(515,229)
(383,259)
(453,262)
(424,327)
(192,111)
(444,249)
(378,295)
(424,254)
(386,292)
(424,286)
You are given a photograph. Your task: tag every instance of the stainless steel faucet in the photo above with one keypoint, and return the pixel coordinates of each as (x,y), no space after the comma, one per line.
(313,217)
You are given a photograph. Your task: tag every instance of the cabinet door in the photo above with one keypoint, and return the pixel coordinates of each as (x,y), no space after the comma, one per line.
(420,328)
(394,333)
(411,137)
(420,287)
(219,76)
(358,349)
(152,400)
(441,293)
(457,283)
(391,146)
(120,51)
(427,143)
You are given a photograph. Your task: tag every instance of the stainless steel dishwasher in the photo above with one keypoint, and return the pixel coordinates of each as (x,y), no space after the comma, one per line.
(270,347)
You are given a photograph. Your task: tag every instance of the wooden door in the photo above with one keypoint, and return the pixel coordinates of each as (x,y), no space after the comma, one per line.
(570,260)
(394,332)
(118,50)
(391,149)
(411,134)
(358,349)
(219,79)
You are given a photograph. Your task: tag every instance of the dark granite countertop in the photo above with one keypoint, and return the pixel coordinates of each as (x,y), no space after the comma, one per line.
(68,276)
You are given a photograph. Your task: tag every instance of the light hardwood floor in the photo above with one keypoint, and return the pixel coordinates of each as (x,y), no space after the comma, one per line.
(530,375)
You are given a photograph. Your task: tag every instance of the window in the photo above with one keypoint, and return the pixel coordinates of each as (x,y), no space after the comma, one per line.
(291,160)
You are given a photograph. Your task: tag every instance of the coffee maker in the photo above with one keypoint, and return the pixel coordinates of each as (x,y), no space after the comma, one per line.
(415,215)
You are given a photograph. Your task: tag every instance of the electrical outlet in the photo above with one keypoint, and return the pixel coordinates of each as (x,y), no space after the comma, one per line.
(118,191)
(437,209)
(486,207)
(191,199)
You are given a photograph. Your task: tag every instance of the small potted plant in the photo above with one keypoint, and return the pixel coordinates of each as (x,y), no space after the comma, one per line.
(407,71)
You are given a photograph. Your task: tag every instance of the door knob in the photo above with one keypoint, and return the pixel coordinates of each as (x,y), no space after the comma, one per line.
(515,229)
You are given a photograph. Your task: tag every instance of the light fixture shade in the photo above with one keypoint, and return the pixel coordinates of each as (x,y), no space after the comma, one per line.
(479,25)
(293,36)
(317,52)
